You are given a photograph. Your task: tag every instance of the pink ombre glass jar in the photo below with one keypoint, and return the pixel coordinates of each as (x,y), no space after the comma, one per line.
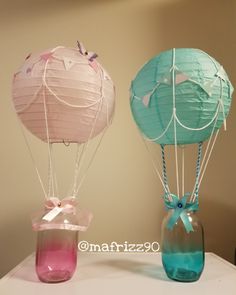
(57,239)
(56,255)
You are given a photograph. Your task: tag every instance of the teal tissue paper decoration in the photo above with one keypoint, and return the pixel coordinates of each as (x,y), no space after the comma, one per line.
(183,87)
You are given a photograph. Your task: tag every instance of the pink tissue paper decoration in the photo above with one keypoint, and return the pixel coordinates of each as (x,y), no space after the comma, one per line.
(146,99)
(181,77)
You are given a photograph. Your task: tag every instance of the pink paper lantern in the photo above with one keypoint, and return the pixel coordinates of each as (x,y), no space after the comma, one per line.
(63,95)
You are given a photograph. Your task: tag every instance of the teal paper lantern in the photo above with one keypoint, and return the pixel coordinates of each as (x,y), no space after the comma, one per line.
(180,96)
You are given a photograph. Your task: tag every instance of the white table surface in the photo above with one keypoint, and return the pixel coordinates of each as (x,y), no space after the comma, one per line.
(122,273)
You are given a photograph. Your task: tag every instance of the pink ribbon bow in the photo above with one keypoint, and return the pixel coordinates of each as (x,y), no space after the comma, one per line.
(54,206)
(67,205)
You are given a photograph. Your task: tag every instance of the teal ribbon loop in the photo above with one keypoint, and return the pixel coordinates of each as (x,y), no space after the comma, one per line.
(180,208)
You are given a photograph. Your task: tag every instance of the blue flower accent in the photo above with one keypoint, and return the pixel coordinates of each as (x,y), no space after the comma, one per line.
(180,208)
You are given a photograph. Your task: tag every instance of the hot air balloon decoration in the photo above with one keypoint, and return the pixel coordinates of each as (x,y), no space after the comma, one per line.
(181,97)
(62,96)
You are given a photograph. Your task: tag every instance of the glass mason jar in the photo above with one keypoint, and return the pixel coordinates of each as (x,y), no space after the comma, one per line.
(56,251)
(57,228)
(183,252)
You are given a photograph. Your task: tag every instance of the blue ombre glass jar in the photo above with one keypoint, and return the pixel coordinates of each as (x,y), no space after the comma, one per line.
(183,254)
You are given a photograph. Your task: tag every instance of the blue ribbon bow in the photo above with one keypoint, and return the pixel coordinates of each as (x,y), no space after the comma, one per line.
(180,208)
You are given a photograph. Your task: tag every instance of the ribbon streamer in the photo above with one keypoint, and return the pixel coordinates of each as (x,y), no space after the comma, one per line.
(180,208)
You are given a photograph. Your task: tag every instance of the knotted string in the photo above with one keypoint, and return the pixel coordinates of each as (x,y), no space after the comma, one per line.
(180,208)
